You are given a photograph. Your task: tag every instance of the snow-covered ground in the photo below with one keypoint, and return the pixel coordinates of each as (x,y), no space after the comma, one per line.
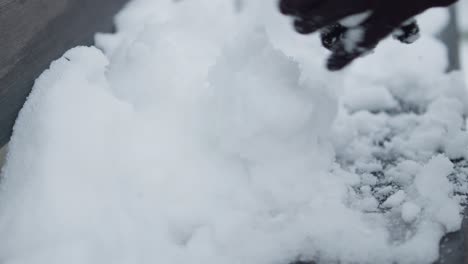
(205,135)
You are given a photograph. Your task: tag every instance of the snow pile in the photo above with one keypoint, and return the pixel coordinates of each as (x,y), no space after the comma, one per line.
(402,130)
(207,136)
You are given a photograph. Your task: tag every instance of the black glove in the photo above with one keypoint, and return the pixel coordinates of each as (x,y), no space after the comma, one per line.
(380,18)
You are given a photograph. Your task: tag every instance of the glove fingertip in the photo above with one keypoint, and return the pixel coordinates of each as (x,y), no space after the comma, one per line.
(305,27)
(285,7)
(337,63)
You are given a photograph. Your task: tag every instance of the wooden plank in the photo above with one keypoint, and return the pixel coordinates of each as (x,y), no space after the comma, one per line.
(35,32)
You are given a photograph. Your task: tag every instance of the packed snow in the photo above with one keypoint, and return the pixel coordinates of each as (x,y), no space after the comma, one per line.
(200,134)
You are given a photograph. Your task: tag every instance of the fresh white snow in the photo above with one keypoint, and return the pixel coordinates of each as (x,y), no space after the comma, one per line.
(205,135)
(410,212)
(465,58)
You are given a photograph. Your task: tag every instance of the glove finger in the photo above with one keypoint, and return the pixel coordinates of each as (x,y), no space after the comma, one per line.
(408,33)
(444,3)
(327,13)
(303,26)
(298,7)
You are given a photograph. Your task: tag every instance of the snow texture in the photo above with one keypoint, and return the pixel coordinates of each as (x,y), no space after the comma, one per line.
(203,135)
(464,51)
(462,8)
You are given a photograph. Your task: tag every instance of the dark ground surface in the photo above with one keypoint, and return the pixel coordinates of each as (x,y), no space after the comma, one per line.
(35,32)
(454,249)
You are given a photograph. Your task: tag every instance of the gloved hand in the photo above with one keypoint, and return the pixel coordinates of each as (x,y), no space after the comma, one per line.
(352,28)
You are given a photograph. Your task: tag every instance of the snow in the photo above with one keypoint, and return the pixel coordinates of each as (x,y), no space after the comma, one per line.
(355,20)
(435,189)
(370,98)
(462,8)
(465,58)
(395,200)
(434,20)
(200,134)
(410,212)
(352,39)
